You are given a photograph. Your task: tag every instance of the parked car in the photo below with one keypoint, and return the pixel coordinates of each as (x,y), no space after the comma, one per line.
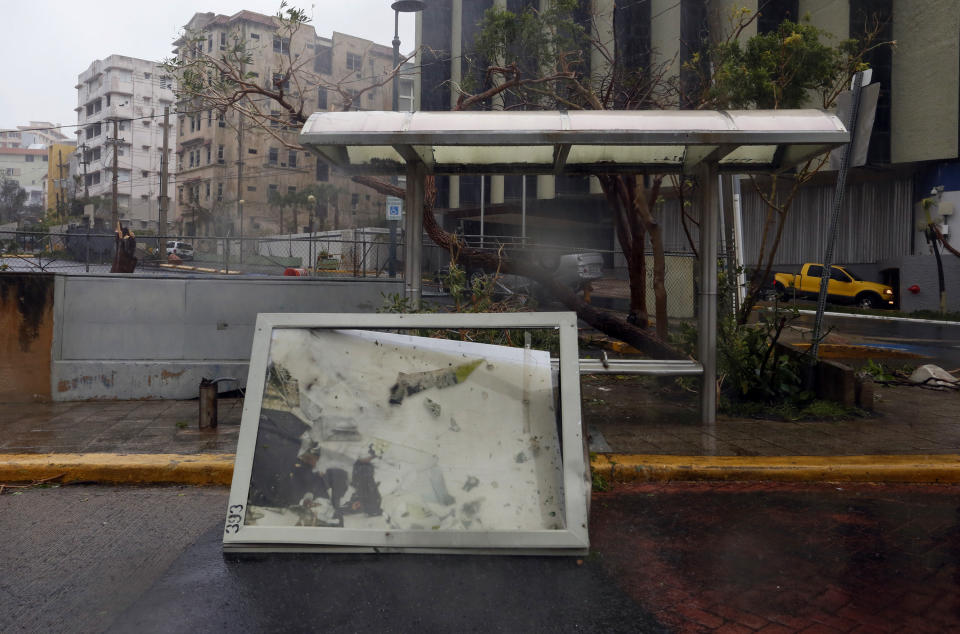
(182,250)
(844,287)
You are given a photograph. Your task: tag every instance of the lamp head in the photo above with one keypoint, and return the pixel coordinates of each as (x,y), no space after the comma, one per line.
(408,6)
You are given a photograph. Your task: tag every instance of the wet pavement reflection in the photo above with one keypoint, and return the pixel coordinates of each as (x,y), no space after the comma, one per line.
(785,558)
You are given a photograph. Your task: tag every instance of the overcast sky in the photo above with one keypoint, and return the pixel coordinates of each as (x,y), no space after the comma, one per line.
(46,44)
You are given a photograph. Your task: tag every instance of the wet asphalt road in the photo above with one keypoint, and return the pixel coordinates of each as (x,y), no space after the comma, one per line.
(684,557)
(939,342)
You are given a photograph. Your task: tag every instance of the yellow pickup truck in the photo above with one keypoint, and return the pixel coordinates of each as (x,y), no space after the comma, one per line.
(844,287)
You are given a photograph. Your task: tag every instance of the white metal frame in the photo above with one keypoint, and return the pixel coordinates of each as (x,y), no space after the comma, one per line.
(573,539)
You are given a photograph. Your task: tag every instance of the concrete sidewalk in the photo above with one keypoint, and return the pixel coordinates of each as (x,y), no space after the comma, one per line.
(160,442)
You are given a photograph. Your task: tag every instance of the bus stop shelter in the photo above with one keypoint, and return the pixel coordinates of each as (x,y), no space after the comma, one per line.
(699,143)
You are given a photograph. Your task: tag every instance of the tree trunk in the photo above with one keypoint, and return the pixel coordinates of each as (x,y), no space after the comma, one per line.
(642,207)
(521,264)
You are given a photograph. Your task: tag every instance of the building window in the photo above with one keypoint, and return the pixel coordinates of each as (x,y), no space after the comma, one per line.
(273,156)
(219,191)
(274,118)
(209,118)
(252,150)
(254,36)
(29,158)
(323,62)
(292,158)
(354,201)
(281,45)
(251,188)
(323,171)
(291,189)
(354,61)
(209,42)
(223,40)
(220,154)
(321,98)
(147,75)
(221,123)
(209,149)
(108,100)
(208,190)
(144,173)
(280,82)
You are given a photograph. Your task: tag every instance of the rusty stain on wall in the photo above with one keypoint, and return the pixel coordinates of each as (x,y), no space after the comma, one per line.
(26,336)
(166,375)
(81,381)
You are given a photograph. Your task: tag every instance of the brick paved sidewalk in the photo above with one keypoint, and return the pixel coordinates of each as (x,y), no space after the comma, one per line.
(714,557)
(117,427)
(909,421)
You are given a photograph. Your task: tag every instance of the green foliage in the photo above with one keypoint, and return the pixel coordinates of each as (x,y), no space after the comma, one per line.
(750,366)
(819,410)
(877,370)
(539,43)
(600,482)
(12,200)
(478,295)
(779,69)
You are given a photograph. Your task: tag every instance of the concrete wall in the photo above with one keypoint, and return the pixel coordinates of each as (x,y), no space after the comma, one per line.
(26,333)
(921,270)
(156,337)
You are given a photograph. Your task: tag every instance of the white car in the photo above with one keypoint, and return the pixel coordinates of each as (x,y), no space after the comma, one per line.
(182,250)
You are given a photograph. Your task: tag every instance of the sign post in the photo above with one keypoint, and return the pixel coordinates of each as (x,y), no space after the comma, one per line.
(394,214)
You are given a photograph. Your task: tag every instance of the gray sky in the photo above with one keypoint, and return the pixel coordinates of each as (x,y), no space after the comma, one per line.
(46,44)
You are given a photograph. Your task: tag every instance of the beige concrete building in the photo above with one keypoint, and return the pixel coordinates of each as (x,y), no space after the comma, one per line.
(233,167)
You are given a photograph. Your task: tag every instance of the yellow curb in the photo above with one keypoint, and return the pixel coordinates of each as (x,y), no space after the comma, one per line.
(876,468)
(217,469)
(197,469)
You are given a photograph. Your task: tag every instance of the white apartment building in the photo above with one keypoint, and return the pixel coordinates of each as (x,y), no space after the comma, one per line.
(36,134)
(133,92)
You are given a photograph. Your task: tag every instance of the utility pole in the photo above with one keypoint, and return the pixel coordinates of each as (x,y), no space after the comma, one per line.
(84,161)
(240,178)
(61,190)
(164,168)
(240,157)
(114,210)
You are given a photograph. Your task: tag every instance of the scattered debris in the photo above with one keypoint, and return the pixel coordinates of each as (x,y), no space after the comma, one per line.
(931,375)
(410,383)
(433,407)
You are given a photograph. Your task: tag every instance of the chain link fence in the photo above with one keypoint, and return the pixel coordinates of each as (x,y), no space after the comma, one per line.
(359,253)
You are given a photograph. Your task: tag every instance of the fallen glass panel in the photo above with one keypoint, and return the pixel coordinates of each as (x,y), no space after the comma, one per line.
(363,436)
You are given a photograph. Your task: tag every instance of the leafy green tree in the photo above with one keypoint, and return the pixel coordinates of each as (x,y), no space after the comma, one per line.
(12,200)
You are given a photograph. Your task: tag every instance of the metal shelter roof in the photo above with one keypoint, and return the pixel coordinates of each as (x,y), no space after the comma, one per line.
(584,141)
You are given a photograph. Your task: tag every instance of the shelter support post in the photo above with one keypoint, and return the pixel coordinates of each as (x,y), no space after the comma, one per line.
(413,230)
(707,327)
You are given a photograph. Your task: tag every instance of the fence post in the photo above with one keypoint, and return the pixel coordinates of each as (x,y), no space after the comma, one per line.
(86,255)
(226,256)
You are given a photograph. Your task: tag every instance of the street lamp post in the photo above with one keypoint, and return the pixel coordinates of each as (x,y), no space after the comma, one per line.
(400,6)
(313,202)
